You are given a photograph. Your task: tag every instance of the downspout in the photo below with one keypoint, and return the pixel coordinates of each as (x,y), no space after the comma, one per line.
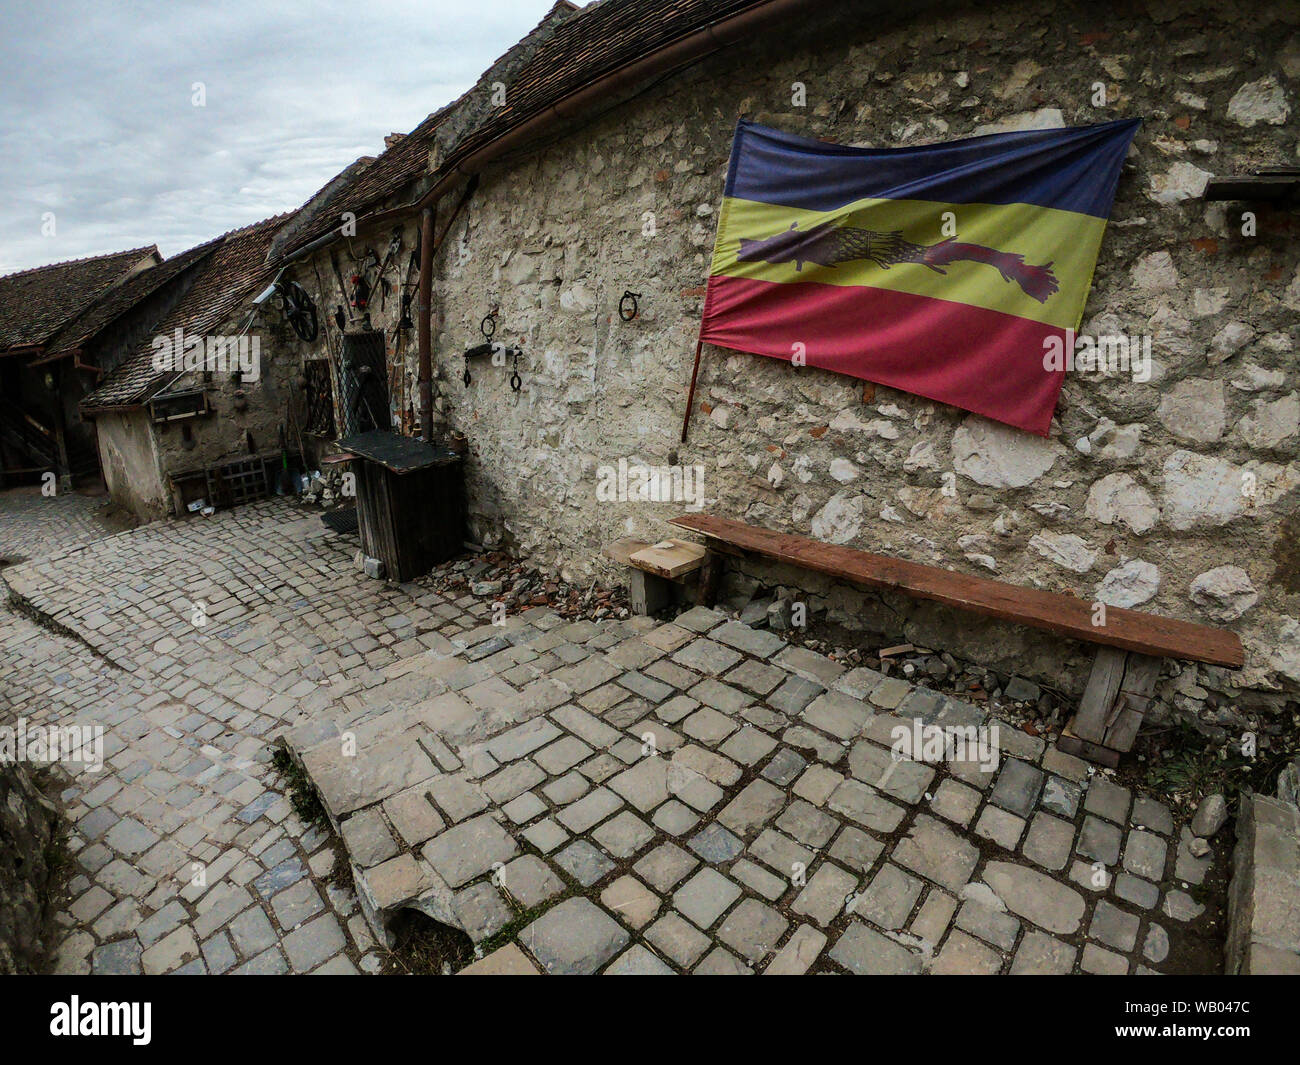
(424,309)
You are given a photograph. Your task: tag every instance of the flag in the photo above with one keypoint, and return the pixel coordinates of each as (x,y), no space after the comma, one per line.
(949,270)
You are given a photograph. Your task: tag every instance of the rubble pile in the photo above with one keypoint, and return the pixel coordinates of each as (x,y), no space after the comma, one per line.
(495,575)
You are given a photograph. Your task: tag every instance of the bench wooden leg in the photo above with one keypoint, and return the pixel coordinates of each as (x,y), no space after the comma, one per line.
(710,578)
(1118,692)
(649,594)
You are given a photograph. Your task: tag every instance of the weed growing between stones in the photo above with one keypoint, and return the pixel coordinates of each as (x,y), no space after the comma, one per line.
(302,793)
(1181,764)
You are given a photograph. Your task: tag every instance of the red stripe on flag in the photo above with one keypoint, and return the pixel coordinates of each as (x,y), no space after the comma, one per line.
(976,359)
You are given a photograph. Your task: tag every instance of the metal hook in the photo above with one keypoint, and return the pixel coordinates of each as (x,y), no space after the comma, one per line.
(632,297)
(489,318)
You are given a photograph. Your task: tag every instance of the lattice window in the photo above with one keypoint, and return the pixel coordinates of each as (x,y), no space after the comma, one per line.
(320,399)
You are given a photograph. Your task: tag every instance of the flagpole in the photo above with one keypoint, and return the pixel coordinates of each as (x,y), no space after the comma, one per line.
(690,396)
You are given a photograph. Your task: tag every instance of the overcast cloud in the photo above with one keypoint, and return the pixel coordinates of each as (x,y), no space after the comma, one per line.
(98,126)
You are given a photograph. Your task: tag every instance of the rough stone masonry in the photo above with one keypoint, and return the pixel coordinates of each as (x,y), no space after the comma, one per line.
(1175,495)
(29,827)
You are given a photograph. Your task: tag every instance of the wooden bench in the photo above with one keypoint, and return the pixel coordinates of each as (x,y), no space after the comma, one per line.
(1130,643)
(656,568)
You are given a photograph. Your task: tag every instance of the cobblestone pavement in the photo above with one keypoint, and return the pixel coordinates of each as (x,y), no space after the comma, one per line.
(33,525)
(619,796)
(288,626)
(700,796)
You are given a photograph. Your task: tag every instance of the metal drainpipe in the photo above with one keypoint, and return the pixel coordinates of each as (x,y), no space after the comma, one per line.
(425,313)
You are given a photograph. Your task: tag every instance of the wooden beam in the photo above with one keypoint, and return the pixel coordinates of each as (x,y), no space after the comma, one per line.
(1065,615)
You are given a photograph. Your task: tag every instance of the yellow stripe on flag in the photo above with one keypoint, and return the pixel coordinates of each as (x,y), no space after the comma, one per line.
(1042,235)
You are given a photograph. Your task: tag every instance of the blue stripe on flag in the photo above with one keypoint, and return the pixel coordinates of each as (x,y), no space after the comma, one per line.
(1075,169)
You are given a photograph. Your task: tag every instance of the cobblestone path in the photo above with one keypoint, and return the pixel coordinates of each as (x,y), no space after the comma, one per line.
(619,796)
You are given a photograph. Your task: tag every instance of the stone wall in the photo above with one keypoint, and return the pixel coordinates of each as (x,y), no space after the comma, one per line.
(129,461)
(1176,495)
(28,823)
(1138,497)
(240,408)
(138,455)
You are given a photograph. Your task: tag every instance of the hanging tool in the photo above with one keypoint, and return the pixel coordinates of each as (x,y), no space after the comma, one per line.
(360,292)
(394,246)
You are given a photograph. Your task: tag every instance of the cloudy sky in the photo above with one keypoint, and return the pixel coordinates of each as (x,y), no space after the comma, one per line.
(100,130)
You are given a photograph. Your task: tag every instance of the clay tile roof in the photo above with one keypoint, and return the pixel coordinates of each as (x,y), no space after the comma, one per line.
(234,270)
(35,303)
(596,41)
(121,298)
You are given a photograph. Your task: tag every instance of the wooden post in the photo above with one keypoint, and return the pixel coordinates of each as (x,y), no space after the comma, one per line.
(1117,695)
(690,396)
(710,578)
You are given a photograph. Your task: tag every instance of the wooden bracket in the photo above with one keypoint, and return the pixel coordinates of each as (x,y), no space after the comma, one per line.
(1116,697)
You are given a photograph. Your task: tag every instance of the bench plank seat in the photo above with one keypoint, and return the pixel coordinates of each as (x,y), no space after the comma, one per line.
(1065,615)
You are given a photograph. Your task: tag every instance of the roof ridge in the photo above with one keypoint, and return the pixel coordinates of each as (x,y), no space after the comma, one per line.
(84,259)
(241,230)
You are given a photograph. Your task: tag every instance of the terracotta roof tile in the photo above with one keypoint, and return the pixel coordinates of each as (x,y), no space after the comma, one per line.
(235,270)
(35,303)
(598,40)
(121,298)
